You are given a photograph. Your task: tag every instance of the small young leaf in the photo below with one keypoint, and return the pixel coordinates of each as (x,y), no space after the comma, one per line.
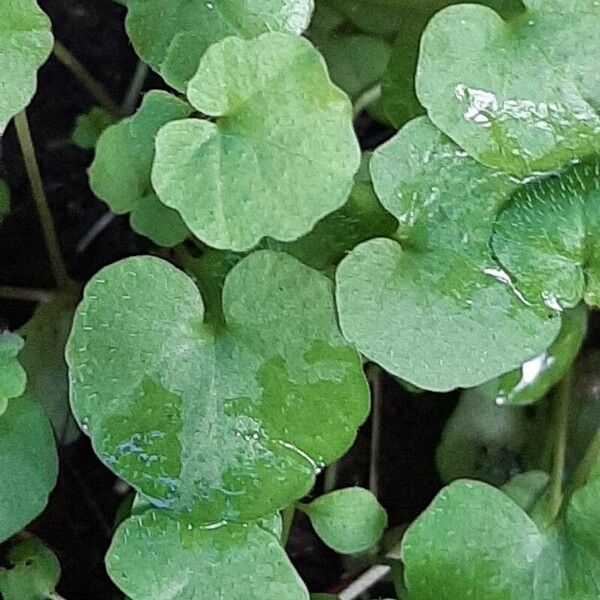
(183,561)
(519,95)
(349,520)
(281,155)
(28,463)
(34,573)
(25,45)
(435,309)
(228,417)
(13,378)
(474,541)
(89,127)
(4,199)
(120,173)
(548,238)
(172,35)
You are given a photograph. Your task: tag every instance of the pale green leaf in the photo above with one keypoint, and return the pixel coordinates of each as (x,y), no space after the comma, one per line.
(519,95)
(475,542)
(25,44)
(4,199)
(120,173)
(548,238)
(33,574)
(434,308)
(12,375)
(28,463)
(89,127)
(350,520)
(172,35)
(182,561)
(280,156)
(229,416)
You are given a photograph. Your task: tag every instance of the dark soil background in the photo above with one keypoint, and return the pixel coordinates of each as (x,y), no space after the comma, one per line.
(79,520)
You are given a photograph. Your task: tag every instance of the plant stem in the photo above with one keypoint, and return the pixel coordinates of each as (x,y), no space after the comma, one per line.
(135,88)
(37,187)
(560,418)
(374,375)
(287,517)
(586,465)
(85,78)
(367,97)
(9,292)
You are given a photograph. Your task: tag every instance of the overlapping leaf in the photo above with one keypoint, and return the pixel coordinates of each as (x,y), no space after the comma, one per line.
(12,375)
(474,541)
(183,561)
(435,309)
(521,95)
(172,35)
(280,156)
(25,44)
(228,416)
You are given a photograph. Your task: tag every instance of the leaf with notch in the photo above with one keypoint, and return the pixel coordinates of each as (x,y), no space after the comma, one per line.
(224,417)
(521,95)
(435,309)
(25,45)
(172,35)
(120,173)
(280,156)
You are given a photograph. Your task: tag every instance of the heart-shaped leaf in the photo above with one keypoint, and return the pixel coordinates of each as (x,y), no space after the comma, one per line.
(172,35)
(521,95)
(25,44)
(183,561)
(474,541)
(28,463)
(435,309)
(547,238)
(120,173)
(280,156)
(13,378)
(229,417)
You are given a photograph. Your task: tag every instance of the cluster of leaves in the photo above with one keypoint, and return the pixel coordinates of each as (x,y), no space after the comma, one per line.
(460,254)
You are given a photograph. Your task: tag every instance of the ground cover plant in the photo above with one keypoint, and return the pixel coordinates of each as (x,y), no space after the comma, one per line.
(298,299)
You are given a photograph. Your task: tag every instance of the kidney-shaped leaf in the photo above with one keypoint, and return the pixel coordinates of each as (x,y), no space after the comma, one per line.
(281,155)
(28,464)
(436,310)
(153,555)
(120,173)
(230,418)
(522,94)
(25,44)
(172,35)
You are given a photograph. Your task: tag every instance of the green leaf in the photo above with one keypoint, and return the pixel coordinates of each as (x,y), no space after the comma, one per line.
(12,375)
(323,597)
(474,541)
(89,127)
(25,44)
(520,95)
(4,199)
(171,36)
(349,520)
(435,309)
(280,156)
(525,489)
(183,561)
(120,173)
(44,361)
(380,17)
(28,462)
(34,573)
(548,236)
(226,418)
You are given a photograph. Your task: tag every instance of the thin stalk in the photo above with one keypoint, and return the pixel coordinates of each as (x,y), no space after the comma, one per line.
(367,97)
(94,88)
(9,292)
(585,466)
(39,195)
(560,418)
(374,375)
(135,88)
(287,517)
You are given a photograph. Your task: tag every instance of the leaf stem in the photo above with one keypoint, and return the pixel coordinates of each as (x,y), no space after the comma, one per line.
(37,187)
(135,88)
(366,98)
(9,292)
(287,517)
(94,88)
(560,418)
(374,375)
(585,466)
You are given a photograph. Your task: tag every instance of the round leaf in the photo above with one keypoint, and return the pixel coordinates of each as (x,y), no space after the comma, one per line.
(521,94)
(349,520)
(435,309)
(281,155)
(28,463)
(172,35)
(13,378)
(25,44)
(227,418)
(183,561)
